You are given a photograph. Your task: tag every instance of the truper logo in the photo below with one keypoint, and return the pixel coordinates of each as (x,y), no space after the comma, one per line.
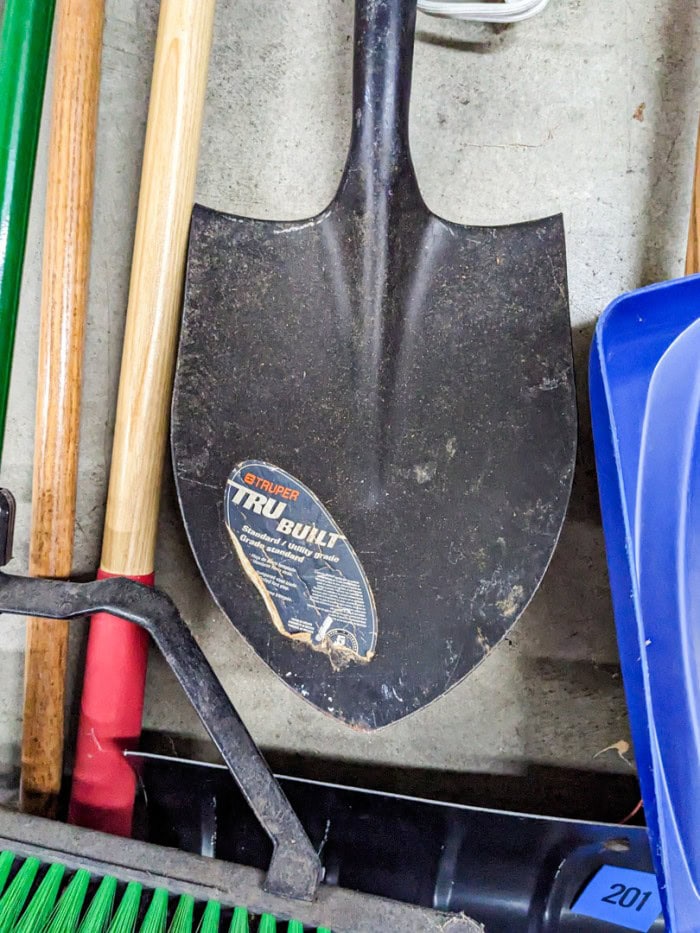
(274,489)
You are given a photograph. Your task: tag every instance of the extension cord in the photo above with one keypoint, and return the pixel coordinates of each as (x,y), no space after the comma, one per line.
(511,11)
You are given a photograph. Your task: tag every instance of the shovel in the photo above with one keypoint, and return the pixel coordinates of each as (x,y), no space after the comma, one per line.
(645,408)
(668,559)
(374,418)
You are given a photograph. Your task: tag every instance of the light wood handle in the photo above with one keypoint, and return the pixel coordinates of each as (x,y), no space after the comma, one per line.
(66,262)
(155,293)
(692,257)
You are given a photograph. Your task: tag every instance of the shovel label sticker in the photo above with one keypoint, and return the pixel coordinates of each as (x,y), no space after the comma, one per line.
(304,568)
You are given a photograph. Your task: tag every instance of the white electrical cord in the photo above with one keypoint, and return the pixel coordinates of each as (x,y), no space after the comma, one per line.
(511,11)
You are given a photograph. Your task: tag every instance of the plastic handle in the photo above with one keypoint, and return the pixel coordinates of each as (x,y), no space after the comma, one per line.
(24,54)
(104,784)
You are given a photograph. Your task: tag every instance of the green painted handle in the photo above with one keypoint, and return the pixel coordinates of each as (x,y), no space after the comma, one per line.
(24,52)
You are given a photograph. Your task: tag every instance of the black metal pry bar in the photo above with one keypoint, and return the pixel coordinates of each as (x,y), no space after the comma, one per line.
(295,868)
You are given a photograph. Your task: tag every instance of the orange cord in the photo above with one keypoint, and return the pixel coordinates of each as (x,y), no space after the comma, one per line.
(632,814)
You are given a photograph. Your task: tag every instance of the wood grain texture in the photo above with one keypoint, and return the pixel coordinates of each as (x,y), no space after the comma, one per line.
(692,257)
(155,293)
(66,263)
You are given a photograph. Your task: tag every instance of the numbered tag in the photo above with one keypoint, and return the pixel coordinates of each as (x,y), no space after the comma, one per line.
(622,896)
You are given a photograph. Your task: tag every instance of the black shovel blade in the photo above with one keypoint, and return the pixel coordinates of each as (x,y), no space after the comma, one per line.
(374,419)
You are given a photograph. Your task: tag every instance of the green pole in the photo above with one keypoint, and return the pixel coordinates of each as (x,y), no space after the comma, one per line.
(24,53)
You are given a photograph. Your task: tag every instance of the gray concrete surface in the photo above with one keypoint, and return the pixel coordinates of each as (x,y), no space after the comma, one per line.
(590,109)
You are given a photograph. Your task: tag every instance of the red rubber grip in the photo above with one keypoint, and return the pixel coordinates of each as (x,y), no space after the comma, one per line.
(104,784)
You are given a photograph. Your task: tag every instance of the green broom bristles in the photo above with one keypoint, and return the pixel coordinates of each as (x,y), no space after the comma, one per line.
(59,901)
(125,918)
(296,926)
(42,903)
(6,861)
(183,920)
(157,913)
(239,924)
(17,893)
(67,912)
(100,909)
(210,918)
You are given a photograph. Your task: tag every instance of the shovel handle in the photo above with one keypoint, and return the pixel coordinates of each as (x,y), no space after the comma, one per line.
(66,264)
(115,670)
(155,292)
(692,258)
(379,159)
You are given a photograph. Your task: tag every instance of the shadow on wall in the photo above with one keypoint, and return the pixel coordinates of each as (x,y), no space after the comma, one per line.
(677,104)
(676,112)
(677,108)
(9,766)
(578,575)
(483,38)
(529,788)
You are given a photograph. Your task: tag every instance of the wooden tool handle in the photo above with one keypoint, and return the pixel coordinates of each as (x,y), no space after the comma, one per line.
(692,257)
(66,263)
(155,294)
(115,669)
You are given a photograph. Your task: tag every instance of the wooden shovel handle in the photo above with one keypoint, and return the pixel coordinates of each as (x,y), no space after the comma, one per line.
(692,257)
(66,263)
(115,670)
(155,294)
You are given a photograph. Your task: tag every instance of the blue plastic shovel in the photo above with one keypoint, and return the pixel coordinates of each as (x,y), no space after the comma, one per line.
(667,544)
(645,395)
